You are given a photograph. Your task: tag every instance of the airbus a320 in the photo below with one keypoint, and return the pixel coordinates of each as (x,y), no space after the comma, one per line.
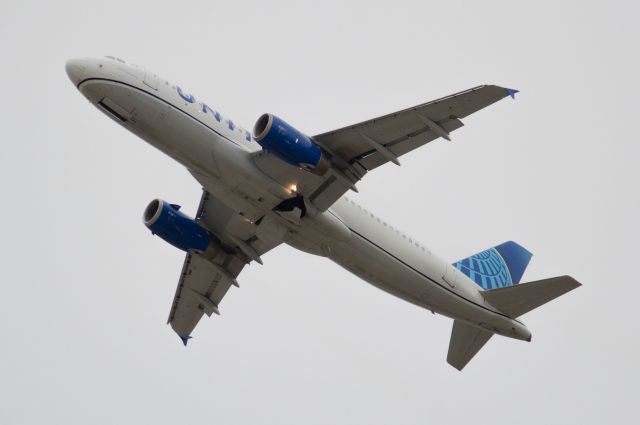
(277,185)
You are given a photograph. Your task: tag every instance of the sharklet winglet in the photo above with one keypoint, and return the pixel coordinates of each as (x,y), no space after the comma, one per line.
(512,92)
(185,339)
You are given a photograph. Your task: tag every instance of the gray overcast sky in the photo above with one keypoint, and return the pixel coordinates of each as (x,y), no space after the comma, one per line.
(87,289)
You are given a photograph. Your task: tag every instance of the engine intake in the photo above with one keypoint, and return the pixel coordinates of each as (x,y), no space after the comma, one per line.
(180,230)
(289,144)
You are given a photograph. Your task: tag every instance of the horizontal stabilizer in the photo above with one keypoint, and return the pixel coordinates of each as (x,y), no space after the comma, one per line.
(465,343)
(520,299)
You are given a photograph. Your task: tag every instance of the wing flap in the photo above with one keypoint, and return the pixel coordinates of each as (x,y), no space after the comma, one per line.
(200,291)
(407,143)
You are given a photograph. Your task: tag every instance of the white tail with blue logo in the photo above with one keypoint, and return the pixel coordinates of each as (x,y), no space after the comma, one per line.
(498,271)
(497,267)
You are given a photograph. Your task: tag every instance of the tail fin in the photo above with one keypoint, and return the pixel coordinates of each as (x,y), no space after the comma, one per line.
(520,299)
(496,267)
(465,343)
(514,301)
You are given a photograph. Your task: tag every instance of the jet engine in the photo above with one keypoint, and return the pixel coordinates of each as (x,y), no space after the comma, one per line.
(180,230)
(289,144)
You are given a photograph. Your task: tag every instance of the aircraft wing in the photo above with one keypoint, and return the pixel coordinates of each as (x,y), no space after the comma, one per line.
(206,278)
(372,143)
(360,148)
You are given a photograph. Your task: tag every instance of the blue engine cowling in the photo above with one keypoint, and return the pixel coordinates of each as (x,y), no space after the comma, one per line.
(180,230)
(289,144)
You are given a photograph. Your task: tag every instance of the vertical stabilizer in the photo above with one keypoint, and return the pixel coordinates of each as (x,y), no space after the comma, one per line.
(497,267)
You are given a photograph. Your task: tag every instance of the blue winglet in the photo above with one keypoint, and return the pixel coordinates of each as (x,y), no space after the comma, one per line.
(185,339)
(512,92)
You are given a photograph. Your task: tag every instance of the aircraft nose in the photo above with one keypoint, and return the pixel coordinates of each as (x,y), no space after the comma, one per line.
(76,70)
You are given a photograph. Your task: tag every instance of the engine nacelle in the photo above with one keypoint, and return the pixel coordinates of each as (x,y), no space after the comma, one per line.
(288,144)
(180,230)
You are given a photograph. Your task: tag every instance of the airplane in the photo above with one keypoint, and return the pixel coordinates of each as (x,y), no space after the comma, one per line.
(278,185)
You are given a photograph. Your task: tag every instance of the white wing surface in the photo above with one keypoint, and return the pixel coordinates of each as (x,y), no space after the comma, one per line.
(356,149)
(403,131)
(206,278)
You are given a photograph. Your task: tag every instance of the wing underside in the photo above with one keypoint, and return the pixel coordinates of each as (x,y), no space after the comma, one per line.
(357,149)
(206,278)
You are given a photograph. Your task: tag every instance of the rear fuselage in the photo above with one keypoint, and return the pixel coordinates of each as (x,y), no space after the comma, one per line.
(217,152)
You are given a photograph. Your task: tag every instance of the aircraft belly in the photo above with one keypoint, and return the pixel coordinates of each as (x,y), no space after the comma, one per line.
(392,262)
(220,164)
(386,273)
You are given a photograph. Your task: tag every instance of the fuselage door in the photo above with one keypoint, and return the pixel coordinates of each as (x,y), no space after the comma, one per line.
(450,275)
(151,79)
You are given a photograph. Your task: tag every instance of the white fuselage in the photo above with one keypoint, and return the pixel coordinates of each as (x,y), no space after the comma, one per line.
(218,154)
